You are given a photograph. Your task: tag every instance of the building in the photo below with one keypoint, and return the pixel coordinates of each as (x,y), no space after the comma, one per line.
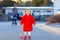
(56,6)
(40,13)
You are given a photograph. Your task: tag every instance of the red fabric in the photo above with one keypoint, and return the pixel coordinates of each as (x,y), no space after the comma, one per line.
(27,21)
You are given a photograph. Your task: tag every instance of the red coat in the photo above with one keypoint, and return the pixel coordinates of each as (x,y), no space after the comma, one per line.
(27,22)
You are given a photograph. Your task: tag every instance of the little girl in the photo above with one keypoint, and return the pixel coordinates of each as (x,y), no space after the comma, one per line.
(27,21)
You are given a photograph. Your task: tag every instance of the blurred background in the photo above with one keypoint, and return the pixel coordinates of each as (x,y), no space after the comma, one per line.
(44,12)
(27,3)
(40,9)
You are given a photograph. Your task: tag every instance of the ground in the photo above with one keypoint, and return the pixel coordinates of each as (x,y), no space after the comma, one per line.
(42,31)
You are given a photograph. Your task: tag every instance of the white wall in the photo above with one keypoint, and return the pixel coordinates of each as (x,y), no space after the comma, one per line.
(56,5)
(43,9)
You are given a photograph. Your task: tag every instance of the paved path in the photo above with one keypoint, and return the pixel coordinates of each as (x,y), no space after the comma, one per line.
(41,31)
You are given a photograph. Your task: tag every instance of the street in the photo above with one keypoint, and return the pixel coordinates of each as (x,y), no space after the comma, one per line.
(41,31)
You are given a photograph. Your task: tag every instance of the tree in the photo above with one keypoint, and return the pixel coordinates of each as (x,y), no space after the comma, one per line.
(45,3)
(8,3)
(33,2)
(37,2)
(49,2)
(6,0)
(42,2)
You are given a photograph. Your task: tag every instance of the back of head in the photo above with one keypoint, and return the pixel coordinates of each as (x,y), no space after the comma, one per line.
(27,12)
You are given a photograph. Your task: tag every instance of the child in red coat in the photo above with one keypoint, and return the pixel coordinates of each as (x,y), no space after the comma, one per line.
(27,21)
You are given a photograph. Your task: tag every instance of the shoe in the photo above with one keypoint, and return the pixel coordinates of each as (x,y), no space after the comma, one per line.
(29,37)
(15,23)
(25,37)
(21,37)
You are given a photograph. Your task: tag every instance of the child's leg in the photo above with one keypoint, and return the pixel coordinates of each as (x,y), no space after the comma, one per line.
(25,35)
(29,35)
(12,21)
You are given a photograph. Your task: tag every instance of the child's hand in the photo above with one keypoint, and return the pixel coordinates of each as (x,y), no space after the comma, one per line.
(34,23)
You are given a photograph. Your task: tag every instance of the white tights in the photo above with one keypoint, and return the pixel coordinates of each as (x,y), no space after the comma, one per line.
(29,33)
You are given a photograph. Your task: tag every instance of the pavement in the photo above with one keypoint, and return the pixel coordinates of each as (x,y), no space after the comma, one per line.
(41,31)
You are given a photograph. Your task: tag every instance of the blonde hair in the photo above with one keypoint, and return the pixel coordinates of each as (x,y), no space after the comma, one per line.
(26,10)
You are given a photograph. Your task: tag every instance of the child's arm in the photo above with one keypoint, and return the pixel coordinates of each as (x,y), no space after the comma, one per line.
(33,20)
(22,21)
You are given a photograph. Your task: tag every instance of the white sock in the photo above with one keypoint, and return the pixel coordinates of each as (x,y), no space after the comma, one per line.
(25,33)
(29,33)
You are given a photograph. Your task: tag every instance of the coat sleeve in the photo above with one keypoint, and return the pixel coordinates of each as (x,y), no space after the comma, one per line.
(33,20)
(22,21)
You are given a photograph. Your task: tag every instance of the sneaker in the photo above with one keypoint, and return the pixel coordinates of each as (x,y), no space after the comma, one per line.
(15,23)
(25,37)
(29,37)
(21,37)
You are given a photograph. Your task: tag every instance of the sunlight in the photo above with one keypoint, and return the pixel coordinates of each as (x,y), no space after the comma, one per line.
(47,28)
(25,0)
(52,0)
